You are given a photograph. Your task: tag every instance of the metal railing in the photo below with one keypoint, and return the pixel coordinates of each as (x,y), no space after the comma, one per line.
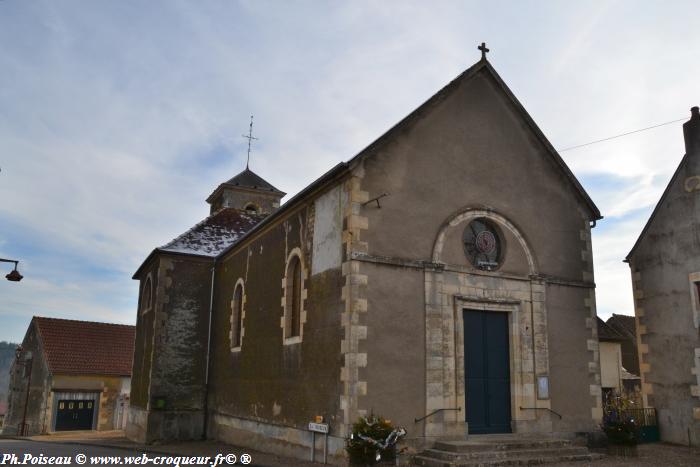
(416,420)
(542,408)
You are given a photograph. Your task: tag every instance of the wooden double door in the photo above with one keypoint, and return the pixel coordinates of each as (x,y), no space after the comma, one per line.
(74,414)
(487,371)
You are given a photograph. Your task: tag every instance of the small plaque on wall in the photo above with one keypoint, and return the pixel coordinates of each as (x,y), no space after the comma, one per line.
(543,387)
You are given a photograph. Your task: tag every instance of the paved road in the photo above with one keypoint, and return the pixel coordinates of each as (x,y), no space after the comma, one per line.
(58,453)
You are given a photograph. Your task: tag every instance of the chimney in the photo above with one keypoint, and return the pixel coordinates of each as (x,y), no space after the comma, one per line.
(691,132)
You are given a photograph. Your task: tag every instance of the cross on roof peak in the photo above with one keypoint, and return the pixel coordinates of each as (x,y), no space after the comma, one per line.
(249,137)
(484,50)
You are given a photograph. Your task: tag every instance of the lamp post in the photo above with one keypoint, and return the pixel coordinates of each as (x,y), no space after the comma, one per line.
(13,276)
(27,364)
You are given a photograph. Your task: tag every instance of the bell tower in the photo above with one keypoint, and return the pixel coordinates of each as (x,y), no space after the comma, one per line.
(246,191)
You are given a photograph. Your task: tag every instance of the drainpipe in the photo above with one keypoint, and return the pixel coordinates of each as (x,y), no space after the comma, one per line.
(206,368)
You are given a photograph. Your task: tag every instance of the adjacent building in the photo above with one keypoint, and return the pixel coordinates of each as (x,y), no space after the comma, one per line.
(70,375)
(442,278)
(616,380)
(665,268)
(625,327)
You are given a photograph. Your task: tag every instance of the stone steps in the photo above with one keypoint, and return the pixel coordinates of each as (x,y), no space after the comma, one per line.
(502,452)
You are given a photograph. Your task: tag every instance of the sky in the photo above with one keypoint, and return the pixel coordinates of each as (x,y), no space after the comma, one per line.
(118,119)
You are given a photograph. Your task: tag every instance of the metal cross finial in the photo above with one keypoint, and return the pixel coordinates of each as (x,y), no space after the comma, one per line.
(250,137)
(484,50)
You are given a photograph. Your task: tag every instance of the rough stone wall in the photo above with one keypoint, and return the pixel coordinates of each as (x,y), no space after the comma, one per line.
(663,267)
(179,365)
(272,388)
(171,351)
(143,344)
(240,198)
(39,390)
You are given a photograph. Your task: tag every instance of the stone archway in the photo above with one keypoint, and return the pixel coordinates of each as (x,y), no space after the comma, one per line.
(450,289)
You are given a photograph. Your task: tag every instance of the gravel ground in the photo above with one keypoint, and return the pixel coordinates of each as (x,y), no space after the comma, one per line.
(658,454)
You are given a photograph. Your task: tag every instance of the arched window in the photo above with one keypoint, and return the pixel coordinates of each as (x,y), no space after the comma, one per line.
(294,315)
(237,316)
(147,295)
(251,209)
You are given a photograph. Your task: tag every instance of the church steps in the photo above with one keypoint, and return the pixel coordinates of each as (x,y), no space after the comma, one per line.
(502,452)
(430,462)
(500,444)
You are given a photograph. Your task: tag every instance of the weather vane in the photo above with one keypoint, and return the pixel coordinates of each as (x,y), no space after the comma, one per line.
(250,138)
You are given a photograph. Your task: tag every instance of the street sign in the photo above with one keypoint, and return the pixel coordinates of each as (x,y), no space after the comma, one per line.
(318,427)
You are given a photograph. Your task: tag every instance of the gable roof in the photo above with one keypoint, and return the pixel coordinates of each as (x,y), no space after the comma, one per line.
(657,207)
(481,65)
(623,324)
(245,178)
(86,347)
(607,333)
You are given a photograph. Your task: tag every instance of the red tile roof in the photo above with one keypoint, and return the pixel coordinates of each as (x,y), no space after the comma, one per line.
(86,347)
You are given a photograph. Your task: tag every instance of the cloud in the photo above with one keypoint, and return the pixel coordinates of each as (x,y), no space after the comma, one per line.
(117,120)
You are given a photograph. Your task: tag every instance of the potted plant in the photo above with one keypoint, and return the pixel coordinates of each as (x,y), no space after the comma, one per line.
(373,440)
(620,426)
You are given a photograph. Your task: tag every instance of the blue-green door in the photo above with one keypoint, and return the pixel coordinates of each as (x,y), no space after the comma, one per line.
(487,371)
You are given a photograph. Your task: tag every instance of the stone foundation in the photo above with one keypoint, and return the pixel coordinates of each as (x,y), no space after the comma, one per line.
(276,439)
(149,426)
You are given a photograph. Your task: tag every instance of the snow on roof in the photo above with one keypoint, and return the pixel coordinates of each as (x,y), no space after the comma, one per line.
(215,233)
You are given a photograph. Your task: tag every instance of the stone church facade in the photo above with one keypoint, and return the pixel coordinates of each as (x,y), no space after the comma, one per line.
(665,268)
(441,278)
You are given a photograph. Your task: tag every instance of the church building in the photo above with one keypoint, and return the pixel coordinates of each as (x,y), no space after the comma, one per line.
(441,278)
(665,268)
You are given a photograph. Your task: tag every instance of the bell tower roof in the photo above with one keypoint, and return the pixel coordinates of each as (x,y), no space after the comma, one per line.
(246,191)
(249,179)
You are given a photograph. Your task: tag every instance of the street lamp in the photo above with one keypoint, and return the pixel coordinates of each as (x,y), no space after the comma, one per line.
(13,276)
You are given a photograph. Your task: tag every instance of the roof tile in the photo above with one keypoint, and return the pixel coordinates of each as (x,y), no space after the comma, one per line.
(86,347)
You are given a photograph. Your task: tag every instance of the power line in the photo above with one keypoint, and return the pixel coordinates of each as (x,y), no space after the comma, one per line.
(621,135)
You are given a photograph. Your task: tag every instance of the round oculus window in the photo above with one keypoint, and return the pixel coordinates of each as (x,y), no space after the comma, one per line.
(482,244)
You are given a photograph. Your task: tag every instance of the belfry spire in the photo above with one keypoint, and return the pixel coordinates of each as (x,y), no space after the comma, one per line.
(250,138)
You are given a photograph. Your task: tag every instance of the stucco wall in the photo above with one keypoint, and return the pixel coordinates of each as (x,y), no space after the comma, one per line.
(610,362)
(472,149)
(669,340)
(395,345)
(570,358)
(472,152)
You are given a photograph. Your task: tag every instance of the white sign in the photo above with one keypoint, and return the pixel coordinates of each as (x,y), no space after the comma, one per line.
(318,427)
(543,387)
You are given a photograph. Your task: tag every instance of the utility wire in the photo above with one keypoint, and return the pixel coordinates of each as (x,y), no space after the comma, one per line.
(621,135)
